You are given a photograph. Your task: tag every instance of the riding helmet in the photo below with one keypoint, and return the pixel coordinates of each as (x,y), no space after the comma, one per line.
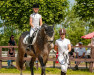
(36,5)
(62,31)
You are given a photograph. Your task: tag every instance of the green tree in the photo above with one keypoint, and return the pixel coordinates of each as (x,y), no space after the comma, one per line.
(75,28)
(17,12)
(85,9)
(6,33)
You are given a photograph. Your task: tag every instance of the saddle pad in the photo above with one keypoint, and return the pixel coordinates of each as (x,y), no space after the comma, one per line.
(25,40)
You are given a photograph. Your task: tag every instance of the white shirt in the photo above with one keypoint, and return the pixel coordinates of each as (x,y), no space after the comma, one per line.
(62,45)
(35,19)
(80,51)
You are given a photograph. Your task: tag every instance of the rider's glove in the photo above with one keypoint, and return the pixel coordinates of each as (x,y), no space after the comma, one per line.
(66,52)
(39,27)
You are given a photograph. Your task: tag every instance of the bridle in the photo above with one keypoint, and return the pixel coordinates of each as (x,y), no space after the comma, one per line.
(50,41)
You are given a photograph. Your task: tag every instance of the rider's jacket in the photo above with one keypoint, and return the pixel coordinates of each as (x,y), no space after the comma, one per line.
(35,19)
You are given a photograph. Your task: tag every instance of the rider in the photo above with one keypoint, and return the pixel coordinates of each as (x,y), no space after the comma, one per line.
(35,21)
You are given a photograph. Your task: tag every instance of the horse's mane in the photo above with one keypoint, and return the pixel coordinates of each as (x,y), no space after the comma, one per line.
(42,35)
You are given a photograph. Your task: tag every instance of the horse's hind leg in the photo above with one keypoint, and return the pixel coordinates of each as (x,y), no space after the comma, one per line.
(32,64)
(43,61)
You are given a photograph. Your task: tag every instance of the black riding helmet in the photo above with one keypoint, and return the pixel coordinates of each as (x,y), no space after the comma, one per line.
(36,5)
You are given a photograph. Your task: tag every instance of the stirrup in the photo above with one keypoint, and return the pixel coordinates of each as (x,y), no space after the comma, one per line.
(28,48)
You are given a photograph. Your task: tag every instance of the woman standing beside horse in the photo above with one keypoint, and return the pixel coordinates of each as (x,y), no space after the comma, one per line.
(63,46)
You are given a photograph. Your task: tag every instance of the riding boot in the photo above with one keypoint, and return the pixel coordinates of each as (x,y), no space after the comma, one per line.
(30,39)
(62,73)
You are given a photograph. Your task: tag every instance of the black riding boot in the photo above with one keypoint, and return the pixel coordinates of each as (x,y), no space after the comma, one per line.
(30,39)
(62,73)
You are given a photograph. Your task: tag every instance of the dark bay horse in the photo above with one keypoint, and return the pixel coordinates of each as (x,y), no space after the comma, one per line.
(42,47)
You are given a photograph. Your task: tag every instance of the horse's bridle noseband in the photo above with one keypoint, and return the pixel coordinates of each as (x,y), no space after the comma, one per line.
(51,41)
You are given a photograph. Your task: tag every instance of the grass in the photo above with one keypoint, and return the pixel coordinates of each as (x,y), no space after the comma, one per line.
(80,72)
(48,71)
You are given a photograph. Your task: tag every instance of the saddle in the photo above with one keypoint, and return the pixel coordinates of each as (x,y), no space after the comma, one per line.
(31,40)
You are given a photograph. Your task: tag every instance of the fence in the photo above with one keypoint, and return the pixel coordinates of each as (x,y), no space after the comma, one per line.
(91,60)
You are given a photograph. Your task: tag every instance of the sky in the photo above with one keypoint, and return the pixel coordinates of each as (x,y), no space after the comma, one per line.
(72,2)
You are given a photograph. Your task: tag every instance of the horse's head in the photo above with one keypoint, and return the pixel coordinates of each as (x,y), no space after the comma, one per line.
(49,34)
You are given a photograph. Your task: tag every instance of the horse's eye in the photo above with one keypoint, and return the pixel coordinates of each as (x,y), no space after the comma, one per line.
(46,29)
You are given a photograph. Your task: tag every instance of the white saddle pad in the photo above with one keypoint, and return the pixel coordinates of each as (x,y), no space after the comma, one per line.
(25,40)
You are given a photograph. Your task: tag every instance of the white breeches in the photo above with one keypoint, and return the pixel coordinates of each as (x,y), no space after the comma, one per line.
(31,31)
(63,60)
(64,68)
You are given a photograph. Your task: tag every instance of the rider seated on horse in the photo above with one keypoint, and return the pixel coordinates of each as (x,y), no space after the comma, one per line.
(35,22)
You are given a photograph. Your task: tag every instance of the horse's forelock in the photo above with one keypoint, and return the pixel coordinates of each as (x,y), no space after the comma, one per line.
(48,29)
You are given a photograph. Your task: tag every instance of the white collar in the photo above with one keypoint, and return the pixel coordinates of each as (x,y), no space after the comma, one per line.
(62,39)
(35,13)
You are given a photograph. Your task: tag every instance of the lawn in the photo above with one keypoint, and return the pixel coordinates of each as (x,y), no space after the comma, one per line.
(48,71)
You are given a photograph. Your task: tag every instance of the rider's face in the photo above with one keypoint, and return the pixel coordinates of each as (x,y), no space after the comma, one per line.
(36,10)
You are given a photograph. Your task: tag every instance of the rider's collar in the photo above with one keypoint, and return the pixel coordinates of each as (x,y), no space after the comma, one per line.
(35,13)
(62,39)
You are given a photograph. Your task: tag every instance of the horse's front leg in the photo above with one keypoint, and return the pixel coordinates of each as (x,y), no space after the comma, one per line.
(43,61)
(32,64)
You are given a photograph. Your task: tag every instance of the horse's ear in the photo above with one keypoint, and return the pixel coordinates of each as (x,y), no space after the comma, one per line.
(44,25)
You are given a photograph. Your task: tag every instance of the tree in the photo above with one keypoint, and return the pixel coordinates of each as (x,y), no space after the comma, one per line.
(75,28)
(85,9)
(6,33)
(17,12)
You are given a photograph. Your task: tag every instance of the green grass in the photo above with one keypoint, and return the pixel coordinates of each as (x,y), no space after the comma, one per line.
(48,71)
(80,72)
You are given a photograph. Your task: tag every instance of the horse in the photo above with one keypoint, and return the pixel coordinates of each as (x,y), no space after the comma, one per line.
(40,49)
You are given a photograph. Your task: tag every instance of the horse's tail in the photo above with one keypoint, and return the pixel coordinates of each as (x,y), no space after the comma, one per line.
(20,57)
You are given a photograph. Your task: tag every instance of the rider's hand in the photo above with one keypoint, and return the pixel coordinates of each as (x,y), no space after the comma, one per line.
(32,26)
(39,26)
(66,52)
